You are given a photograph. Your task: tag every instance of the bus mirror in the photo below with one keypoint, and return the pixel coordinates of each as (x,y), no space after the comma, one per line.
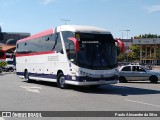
(120,46)
(76,43)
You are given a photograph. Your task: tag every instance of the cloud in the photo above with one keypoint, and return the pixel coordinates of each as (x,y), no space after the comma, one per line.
(154,8)
(46,2)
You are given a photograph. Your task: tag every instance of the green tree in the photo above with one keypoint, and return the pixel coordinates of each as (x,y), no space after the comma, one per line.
(149,36)
(122,57)
(135,52)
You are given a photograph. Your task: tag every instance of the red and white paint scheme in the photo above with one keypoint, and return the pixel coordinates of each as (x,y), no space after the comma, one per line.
(120,44)
(69,54)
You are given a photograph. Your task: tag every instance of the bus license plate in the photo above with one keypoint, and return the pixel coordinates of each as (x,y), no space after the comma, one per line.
(102,81)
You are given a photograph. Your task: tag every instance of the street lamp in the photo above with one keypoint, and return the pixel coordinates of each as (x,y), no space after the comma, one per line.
(65,21)
(125,31)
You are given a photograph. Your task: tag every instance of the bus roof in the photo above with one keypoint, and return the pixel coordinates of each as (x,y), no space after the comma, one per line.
(81,28)
(72,28)
(46,32)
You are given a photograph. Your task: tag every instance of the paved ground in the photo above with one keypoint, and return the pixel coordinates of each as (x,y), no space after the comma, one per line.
(17,95)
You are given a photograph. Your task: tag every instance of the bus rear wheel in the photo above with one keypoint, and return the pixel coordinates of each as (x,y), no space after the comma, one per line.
(26,76)
(61,81)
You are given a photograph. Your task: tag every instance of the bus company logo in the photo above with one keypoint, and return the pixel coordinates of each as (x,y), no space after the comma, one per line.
(102,72)
(6,114)
(53,58)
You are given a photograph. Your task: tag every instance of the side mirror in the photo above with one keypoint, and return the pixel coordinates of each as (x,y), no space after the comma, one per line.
(76,43)
(120,46)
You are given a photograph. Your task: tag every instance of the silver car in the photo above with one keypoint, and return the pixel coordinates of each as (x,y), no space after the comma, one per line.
(137,72)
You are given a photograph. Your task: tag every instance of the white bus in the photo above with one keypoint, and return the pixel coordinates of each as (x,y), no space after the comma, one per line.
(69,54)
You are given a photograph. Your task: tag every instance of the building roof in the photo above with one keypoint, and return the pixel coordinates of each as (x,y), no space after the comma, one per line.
(144,41)
(7,47)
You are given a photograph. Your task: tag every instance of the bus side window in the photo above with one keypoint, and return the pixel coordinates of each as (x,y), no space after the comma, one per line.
(71,53)
(58,46)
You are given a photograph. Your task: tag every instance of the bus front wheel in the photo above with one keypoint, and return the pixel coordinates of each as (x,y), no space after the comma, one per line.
(61,81)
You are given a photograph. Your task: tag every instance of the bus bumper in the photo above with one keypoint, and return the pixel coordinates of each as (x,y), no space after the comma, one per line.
(91,83)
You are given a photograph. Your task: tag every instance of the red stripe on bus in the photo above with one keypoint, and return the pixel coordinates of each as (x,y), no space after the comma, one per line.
(33,54)
(41,34)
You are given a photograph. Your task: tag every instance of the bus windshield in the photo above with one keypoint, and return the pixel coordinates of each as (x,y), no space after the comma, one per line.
(97,51)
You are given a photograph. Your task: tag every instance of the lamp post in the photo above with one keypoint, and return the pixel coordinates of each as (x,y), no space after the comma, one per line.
(125,31)
(65,21)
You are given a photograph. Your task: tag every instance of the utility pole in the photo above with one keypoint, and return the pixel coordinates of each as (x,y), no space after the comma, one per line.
(123,33)
(65,21)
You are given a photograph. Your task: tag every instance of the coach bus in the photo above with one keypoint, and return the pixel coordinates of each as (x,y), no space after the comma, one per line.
(68,54)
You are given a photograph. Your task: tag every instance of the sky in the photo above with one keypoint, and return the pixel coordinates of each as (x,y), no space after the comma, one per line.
(123,18)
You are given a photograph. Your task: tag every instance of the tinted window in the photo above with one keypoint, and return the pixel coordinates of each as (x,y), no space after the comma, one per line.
(58,45)
(45,43)
(138,68)
(97,51)
(69,45)
(66,35)
(127,68)
(10,62)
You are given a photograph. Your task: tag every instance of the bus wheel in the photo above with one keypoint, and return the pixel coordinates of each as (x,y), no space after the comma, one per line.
(61,81)
(26,76)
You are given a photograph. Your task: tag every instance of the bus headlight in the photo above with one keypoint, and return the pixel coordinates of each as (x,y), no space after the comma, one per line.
(83,73)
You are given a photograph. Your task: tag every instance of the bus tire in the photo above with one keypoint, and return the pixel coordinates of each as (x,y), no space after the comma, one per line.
(26,76)
(61,81)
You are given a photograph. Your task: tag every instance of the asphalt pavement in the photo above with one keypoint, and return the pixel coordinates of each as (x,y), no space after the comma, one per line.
(17,95)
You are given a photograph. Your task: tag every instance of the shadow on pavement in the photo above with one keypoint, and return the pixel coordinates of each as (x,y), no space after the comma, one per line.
(119,90)
(106,89)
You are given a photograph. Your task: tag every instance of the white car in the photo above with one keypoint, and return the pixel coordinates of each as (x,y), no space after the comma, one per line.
(137,72)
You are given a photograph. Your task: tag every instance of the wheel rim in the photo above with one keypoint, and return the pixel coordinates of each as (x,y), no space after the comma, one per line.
(62,81)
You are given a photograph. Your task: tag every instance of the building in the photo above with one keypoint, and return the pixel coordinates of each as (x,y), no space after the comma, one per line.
(5,36)
(149,50)
(127,43)
(7,48)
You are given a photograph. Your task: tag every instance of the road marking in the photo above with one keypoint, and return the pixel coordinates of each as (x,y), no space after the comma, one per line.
(32,89)
(142,103)
(2,118)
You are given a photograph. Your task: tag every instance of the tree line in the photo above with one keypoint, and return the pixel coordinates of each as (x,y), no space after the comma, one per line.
(148,36)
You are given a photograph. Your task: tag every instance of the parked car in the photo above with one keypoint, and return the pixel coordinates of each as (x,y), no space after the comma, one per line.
(137,72)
